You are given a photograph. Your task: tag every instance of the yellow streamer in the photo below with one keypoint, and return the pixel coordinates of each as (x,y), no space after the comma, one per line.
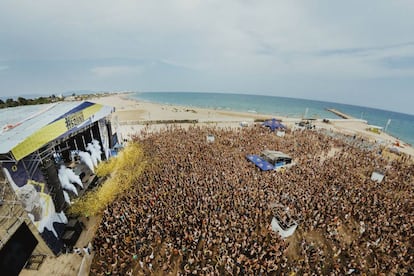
(123,172)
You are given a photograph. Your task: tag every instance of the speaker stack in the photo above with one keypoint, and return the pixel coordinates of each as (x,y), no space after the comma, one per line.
(52,181)
(72,232)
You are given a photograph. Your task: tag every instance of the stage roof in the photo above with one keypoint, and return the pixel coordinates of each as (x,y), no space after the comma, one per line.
(25,129)
(273,154)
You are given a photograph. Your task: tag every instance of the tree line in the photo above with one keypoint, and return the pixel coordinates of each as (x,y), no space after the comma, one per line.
(23,101)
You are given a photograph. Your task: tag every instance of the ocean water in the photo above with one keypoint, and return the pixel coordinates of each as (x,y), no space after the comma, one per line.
(401,125)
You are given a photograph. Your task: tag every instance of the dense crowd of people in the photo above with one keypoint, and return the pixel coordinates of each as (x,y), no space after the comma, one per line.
(202,208)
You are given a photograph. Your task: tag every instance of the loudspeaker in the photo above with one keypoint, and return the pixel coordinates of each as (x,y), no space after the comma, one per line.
(87,135)
(70,237)
(80,142)
(53,184)
(74,225)
(95,131)
(109,128)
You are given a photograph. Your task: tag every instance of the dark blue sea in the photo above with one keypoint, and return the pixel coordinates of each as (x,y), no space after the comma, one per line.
(401,125)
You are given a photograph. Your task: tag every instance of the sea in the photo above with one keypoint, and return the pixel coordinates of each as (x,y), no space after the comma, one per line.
(399,125)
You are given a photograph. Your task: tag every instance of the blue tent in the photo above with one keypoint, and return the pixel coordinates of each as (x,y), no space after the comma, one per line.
(274,124)
(260,162)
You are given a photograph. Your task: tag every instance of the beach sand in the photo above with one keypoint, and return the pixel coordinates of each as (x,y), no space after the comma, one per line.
(133,116)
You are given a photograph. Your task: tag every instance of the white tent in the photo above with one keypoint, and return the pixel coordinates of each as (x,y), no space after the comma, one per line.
(283,233)
(377,176)
(210,138)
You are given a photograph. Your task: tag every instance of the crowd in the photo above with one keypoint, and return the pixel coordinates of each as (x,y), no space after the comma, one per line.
(202,208)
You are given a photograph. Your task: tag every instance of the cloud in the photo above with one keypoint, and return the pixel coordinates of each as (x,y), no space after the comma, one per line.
(3,67)
(111,71)
(365,50)
(234,45)
(404,62)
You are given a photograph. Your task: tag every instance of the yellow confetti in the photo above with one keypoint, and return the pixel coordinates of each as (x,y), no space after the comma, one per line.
(122,172)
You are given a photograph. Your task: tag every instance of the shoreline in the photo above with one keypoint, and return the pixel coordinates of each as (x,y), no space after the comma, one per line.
(134,115)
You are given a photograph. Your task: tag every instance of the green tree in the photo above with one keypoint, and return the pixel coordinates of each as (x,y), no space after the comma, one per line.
(22,101)
(10,102)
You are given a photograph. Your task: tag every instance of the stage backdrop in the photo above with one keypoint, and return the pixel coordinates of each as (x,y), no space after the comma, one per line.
(33,193)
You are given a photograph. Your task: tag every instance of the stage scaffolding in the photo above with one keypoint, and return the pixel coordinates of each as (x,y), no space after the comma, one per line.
(11,211)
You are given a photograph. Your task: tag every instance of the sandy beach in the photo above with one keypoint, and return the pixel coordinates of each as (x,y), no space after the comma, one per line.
(133,116)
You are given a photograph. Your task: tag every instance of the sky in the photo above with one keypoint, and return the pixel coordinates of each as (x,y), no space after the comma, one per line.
(355,52)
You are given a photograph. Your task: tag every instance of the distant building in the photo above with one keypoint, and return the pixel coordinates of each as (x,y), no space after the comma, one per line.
(70,98)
